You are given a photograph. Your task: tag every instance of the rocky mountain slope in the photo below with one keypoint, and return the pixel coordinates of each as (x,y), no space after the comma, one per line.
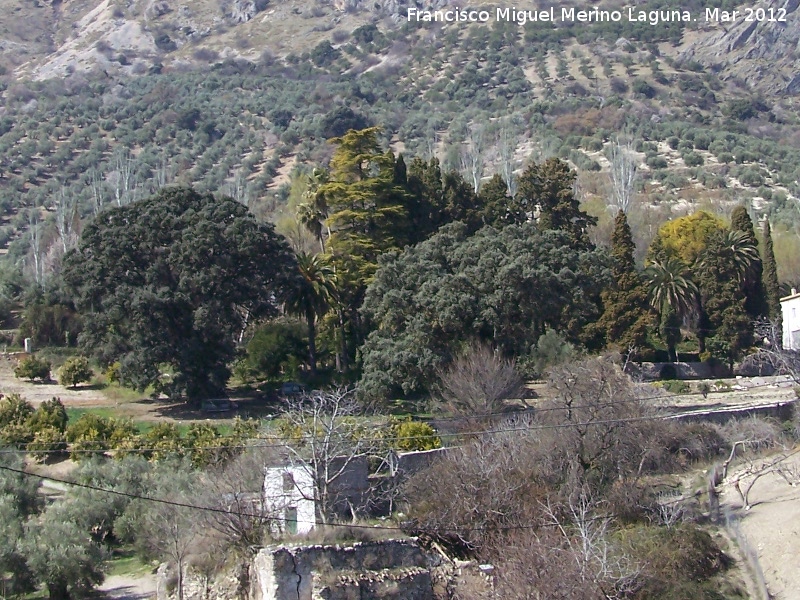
(49,38)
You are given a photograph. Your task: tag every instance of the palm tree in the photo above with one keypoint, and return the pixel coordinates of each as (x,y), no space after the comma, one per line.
(739,249)
(311,297)
(313,213)
(670,286)
(674,295)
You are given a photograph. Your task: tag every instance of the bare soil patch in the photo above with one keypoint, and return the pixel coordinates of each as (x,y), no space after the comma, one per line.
(126,587)
(772,528)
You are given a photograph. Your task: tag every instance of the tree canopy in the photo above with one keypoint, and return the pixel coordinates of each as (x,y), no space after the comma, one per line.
(171,280)
(685,238)
(502,286)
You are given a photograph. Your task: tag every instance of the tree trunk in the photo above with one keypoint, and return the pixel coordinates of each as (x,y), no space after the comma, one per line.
(312,346)
(180,580)
(58,590)
(343,346)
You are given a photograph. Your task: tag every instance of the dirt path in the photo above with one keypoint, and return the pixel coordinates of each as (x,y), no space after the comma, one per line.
(123,587)
(772,527)
(36,393)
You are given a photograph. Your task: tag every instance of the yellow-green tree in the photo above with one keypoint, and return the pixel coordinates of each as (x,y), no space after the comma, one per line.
(685,238)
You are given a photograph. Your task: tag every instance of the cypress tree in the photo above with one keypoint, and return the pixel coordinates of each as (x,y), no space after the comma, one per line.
(723,301)
(626,311)
(756,303)
(670,330)
(770,275)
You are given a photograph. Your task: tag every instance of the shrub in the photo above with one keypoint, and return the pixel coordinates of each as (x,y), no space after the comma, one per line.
(33,368)
(14,410)
(163,441)
(414,435)
(657,162)
(18,435)
(676,387)
(48,442)
(640,86)
(679,560)
(51,414)
(74,371)
(692,159)
(112,372)
(90,426)
(668,372)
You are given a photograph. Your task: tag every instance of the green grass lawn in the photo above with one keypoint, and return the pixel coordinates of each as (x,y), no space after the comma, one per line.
(126,562)
(111,412)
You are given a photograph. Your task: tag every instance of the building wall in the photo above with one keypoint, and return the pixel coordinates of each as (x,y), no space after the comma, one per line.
(383,570)
(287,488)
(790,310)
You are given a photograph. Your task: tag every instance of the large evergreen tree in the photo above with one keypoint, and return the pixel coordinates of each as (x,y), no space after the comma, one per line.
(171,280)
(367,208)
(504,287)
(426,207)
(770,275)
(547,188)
(626,311)
(497,207)
(721,269)
(752,285)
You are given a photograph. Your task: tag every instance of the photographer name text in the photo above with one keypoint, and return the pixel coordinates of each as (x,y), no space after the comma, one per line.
(594,15)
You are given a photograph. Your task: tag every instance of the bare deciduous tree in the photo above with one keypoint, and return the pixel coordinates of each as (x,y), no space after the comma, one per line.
(124,178)
(622,174)
(173,532)
(37,247)
(97,186)
(66,217)
(238,188)
(586,531)
(328,443)
(472,156)
(237,489)
(478,382)
(772,353)
(507,149)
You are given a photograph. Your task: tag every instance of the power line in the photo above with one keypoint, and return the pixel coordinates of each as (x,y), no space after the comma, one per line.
(281,441)
(274,519)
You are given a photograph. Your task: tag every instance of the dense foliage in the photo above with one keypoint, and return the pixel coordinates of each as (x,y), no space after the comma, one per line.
(502,286)
(170,281)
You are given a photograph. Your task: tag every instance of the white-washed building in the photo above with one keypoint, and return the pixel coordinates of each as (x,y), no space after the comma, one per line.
(790,311)
(289,496)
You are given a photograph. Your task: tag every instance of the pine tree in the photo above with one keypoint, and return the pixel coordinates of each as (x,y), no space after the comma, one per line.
(756,302)
(426,203)
(548,187)
(496,207)
(626,312)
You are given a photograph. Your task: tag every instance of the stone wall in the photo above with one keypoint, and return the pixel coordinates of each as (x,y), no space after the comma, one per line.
(649,371)
(382,569)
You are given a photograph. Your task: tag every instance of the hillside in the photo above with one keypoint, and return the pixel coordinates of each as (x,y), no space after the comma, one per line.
(103,102)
